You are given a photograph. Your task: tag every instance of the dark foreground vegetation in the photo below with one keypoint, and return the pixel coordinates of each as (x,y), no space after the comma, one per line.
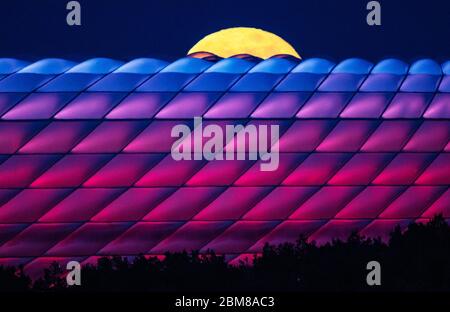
(417,259)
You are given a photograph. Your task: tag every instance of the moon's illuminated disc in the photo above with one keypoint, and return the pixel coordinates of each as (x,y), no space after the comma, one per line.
(244,40)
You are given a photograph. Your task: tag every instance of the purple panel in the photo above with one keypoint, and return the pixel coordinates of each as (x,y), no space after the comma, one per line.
(407,105)
(361,169)
(279,203)
(438,172)
(8,231)
(233,203)
(324,105)
(390,136)
(220,172)
(342,82)
(440,107)
(445,84)
(133,205)
(188,105)
(348,136)
(440,206)
(123,170)
(35,269)
(81,205)
(191,236)
(370,202)
(366,105)
(140,105)
(36,240)
(235,105)
(305,135)
(140,238)
(90,106)
(337,229)
(39,106)
(316,169)
(240,236)
(420,83)
(58,137)
(382,82)
(404,169)
(383,228)
(413,202)
(326,202)
(281,105)
(15,134)
(7,100)
(432,136)
(184,204)
(110,137)
(88,239)
(29,205)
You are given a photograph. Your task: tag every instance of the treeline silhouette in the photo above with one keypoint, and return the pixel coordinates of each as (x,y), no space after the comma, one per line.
(416,259)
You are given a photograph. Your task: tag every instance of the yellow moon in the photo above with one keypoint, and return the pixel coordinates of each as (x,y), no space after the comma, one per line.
(244,40)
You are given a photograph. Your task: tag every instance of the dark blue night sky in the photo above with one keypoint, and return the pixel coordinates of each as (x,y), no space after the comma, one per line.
(166,29)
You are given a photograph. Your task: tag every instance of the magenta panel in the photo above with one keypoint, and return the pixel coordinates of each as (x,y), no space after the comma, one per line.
(440,206)
(438,173)
(305,135)
(15,134)
(326,203)
(407,105)
(421,141)
(188,105)
(440,107)
(337,229)
(232,203)
(219,172)
(8,231)
(90,105)
(235,105)
(383,228)
(324,105)
(281,105)
(140,106)
(184,204)
(133,204)
(390,136)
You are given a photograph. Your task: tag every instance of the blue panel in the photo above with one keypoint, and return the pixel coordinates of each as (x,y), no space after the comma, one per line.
(142,66)
(300,82)
(353,66)
(391,66)
(187,65)
(166,82)
(420,83)
(257,82)
(274,65)
(231,65)
(213,82)
(70,82)
(446,68)
(426,66)
(50,66)
(96,66)
(23,82)
(314,66)
(445,84)
(342,83)
(119,82)
(10,65)
(382,83)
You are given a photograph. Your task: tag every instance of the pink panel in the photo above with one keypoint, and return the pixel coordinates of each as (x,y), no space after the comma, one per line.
(438,173)
(361,169)
(280,105)
(58,137)
(383,228)
(326,202)
(133,205)
(169,172)
(71,171)
(316,169)
(366,105)
(403,169)
(30,204)
(220,172)
(440,107)
(440,206)
(287,232)
(279,203)
(123,170)
(110,137)
(21,170)
(407,105)
(432,136)
(36,240)
(90,105)
(390,136)
(140,238)
(256,177)
(337,229)
(191,236)
(305,135)
(139,106)
(240,236)
(6,195)
(81,205)
(155,138)
(35,269)
(88,239)
(188,105)
(370,202)
(16,134)
(324,105)
(235,105)
(413,202)
(184,204)
(347,136)
(233,203)
(447,148)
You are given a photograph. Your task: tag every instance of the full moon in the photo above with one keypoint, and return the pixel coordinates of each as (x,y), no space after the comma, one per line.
(244,40)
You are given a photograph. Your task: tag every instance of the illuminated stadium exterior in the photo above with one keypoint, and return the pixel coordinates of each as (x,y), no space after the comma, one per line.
(86,167)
